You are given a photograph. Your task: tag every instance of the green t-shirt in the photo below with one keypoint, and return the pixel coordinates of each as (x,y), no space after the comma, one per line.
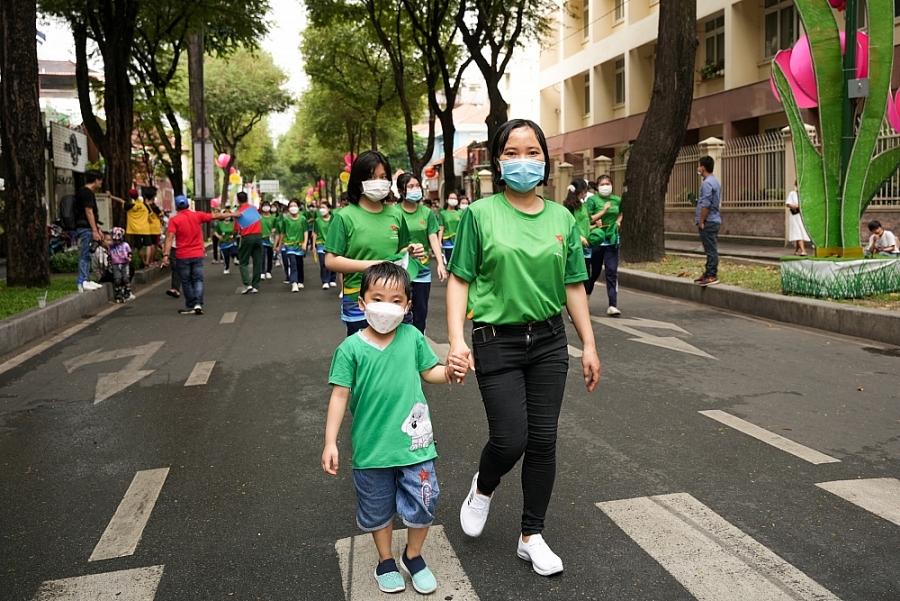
(610,233)
(583,219)
(322,228)
(421,223)
(268,224)
(391,421)
(310,218)
(450,221)
(357,234)
(226,230)
(517,264)
(293,230)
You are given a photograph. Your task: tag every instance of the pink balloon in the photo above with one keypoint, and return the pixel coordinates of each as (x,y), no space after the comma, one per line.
(838,4)
(233,170)
(894,111)
(321,183)
(222,160)
(215,202)
(800,66)
(803,101)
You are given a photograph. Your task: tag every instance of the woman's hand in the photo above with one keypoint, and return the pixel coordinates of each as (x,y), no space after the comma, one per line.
(460,362)
(590,363)
(584,242)
(442,272)
(416,251)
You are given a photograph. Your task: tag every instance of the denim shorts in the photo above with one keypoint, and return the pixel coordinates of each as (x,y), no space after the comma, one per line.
(410,491)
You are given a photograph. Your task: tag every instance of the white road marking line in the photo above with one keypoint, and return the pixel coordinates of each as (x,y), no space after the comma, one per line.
(710,557)
(668,342)
(124,531)
(358,558)
(109,384)
(779,442)
(139,584)
(200,374)
(575,352)
(441,350)
(229,317)
(40,348)
(880,496)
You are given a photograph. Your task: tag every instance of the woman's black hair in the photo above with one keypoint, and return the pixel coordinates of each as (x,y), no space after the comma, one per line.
(387,273)
(403,181)
(604,177)
(362,169)
(572,201)
(499,143)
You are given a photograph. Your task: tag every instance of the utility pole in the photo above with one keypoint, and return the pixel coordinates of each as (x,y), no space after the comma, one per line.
(204,175)
(853,89)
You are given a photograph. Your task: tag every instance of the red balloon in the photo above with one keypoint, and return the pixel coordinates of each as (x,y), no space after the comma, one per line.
(430,172)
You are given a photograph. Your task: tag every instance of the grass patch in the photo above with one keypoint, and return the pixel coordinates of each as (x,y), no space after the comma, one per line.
(761,278)
(18,299)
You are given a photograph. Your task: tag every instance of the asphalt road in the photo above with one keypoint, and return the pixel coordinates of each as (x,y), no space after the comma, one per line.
(653,500)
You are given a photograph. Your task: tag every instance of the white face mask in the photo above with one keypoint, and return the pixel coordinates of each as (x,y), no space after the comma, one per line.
(376,189)
(583,199)
(294,210)
(452,202)
(463,207)
(384,317)
(323,210)
(605,190)
(700,173)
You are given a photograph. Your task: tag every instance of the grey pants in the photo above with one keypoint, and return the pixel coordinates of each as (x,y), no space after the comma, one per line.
(121,281)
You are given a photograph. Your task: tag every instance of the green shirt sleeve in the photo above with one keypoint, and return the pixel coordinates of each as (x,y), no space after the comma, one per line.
(433,227)
(425,356)
(403,239)
(343,368)
(336,242)
(465,261)
(576,270)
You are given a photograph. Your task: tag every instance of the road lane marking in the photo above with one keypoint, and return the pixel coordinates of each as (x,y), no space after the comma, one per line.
(667,342)
(358,558)
(711,558)
(770,438)
(200,374)
(442,350)
(124,531)
(880,496)
(40,348)
(138,584)
(109,384)
(229,317)
(575,352)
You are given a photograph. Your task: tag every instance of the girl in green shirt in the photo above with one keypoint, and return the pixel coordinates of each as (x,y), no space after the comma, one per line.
(576,203)
(292,237)
(606,217)
(268,231)
(450,217)
(319,236)
(517,263)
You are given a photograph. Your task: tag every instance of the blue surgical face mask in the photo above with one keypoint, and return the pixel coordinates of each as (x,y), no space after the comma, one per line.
(414,195)
(522,175)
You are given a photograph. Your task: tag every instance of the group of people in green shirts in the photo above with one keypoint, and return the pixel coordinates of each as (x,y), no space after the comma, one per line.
(517,260)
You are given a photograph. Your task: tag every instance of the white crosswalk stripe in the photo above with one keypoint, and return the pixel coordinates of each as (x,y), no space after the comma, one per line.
(710,557)
(880,496)
(229,317)
(200,373)
(139,584)
(124,531)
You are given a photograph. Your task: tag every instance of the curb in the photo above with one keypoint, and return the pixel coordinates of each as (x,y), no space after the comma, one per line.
(20,329)
(859,322)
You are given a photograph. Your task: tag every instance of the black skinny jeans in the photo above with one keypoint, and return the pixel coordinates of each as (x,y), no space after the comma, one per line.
(521,373)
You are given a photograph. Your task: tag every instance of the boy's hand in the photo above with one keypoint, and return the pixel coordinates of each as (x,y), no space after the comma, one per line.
(330,459)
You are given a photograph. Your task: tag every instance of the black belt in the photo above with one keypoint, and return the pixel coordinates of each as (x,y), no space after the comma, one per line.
(548,325)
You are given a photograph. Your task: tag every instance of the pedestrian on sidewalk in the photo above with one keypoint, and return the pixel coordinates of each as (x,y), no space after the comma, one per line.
(320,235)
(606,219)
(249,228)
(379,373)
(425,230)
(797,230)
(268,238)
(449,218)
(184,229)
(224,234)
(517,262)
(87,227)
(291,240)
(708,220)
(120,260)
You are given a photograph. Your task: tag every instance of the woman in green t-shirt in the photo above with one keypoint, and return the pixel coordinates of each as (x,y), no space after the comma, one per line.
(449,216)
(365,233)
(423,229)
(268,233)
(320,235)
(576,198)
(292,237)
(606,218)
(517,262)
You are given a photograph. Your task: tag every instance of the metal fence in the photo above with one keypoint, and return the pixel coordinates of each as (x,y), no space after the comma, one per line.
(889,195)
(752,171)
(683,182)
(617,172)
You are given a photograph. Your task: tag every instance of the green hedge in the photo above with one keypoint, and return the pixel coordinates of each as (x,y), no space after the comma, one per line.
(66,262)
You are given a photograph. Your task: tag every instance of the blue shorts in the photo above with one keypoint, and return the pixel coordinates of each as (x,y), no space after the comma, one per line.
(410,491)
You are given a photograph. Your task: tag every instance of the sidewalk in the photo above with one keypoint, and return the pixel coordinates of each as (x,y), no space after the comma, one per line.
(770,254)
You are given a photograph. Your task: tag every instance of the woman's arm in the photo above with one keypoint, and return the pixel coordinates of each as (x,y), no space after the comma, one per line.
(340,264)
(435,243)
(577,304)
(459,360)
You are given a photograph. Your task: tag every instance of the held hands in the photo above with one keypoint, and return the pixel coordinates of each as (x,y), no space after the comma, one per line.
(460,362)
(330,459)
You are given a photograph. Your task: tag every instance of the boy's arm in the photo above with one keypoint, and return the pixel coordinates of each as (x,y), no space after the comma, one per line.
(337,406)
(436,375)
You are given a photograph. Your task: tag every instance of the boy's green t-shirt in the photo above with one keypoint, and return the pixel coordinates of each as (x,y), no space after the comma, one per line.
(226,230)
(450,221)
(421,224)
(322,228)
(268,224)
(356,233)
(391,421)
(517,265)
(293,230)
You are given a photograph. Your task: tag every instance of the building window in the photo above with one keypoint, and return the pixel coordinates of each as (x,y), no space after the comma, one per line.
(587,93)
(586,19)
(715,41)
(782,25)
(620,81)
(896,8)
(620,10)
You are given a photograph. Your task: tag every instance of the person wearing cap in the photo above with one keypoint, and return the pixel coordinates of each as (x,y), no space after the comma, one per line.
(184,228)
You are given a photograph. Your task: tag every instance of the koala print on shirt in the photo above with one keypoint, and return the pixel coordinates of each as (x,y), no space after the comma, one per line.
(418,425)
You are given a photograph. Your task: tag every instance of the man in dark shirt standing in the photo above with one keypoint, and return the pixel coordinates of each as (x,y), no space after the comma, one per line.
(708,220)
(86,227)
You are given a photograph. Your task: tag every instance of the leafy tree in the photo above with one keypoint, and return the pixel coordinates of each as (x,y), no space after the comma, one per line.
(662,133)
(22,138)
(257,153)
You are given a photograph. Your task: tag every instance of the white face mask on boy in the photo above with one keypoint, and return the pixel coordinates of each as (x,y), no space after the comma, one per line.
(384,317)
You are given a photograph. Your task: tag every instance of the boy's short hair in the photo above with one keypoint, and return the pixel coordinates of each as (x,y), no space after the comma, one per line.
(874,225)
(92,175)
(385,272)
(708,163)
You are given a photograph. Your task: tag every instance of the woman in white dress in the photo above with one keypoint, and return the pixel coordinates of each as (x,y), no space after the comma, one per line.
(797,232)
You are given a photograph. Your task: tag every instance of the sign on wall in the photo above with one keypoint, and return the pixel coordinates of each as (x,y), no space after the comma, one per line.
(69,148)
(269,186)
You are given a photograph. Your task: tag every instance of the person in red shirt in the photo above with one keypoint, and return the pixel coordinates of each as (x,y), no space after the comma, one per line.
(248,224)
(184,229)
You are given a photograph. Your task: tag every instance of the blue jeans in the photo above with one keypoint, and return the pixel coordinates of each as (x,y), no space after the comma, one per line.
(605,257)
(191,273)
(84,235)
(383,492)
(709,236)
(420,293)
(328,277)
(295,262)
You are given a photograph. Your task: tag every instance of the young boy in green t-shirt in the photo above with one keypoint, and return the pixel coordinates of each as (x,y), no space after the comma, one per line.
(379,372)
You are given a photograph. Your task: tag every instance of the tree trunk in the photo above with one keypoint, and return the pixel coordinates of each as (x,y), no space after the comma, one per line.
(499,111)
(662,134)
(118,102)
(22,136)
(448,129)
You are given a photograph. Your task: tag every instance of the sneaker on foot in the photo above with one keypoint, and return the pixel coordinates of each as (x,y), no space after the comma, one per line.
(324,286)
(80,287)
(300,286)
(286,282)
(254,290)
(474,511)
(332,284)
(613,311)
(423,579)
(294,288)
(131,296)
(544,561)
(198,309)
(247,289)
(186,312)
(89,285)
(268,276)
(389,580)
(341,294)
(226,271)
(712,281)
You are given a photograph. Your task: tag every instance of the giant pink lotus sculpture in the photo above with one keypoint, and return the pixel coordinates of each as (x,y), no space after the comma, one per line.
(797,65)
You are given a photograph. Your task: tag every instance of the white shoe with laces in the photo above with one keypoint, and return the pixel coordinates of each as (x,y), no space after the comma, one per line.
(543,560)
(474,511)
(294,288)
(614,312)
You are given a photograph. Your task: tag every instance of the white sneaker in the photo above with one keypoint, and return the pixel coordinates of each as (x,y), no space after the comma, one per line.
(341,294)
(268,276)
(226,272)
(324,286)
(544,561)
(332,284)
(613,311)
(254,290)
(474,511)
(247,289)
(300,286)
(131,297)
(294,288)
(80,287)
(89,285)
(286,282)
